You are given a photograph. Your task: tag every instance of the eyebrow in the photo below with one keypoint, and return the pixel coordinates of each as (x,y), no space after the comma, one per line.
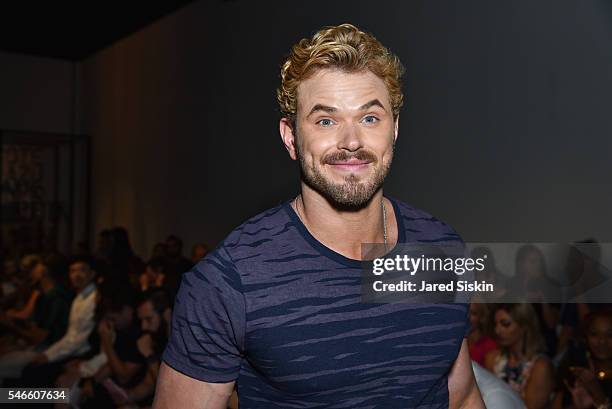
(328,109)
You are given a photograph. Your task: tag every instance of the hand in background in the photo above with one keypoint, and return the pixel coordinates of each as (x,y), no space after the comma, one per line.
(145,345)
(106,332)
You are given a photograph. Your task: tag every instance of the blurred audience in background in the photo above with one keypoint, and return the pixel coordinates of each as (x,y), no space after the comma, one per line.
(39,323)
(584,377)
(480,340)
(159,251)
(46,366)
(520,358)
(99,323)
(198,252)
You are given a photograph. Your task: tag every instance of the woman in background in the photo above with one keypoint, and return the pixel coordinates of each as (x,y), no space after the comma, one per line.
(585,375)
(519,359)
(479,340)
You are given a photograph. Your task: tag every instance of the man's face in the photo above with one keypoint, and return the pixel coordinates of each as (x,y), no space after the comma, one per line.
(121,319)
(37,273)
(81,275)
(344,135)
(150,320)
(173,248)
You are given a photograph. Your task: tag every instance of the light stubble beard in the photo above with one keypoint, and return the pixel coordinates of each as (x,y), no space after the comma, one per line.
(354,193)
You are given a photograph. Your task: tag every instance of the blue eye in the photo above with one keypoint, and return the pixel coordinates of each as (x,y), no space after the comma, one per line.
(325,122)
(370,119)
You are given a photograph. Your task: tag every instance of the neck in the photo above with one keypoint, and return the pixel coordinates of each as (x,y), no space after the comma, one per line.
(344,231)
(80,290)
(516,351)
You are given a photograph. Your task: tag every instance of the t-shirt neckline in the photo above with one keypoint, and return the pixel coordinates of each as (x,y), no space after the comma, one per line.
(329,253)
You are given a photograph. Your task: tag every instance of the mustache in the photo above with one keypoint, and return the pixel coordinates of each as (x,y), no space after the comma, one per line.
(344,156)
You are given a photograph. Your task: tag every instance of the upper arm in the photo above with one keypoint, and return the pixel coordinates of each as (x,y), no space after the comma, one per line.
(540,384)
(175,390)
(208,323)
(462,389)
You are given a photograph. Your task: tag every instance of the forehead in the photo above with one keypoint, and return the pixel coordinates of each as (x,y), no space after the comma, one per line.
(145,309)
(601,323)
(341,89)
(502,315)
(78,266)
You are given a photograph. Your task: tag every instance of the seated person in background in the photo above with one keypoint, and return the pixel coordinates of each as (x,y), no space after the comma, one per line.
(198,252)
(585,375)
(479,341)
(153,276)
(9,282)
(496,393)
(159,250)
(48,322)
(154,312)
(23,299)
(176,263)
(520,359)
(118,332)
(47,364)
(531,271)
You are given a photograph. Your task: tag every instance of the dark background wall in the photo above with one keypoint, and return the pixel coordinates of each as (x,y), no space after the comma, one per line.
(37,94)
(505,133)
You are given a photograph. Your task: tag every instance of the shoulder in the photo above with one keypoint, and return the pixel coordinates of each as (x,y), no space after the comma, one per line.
(261,228)
(422,226)
(254,237)
(541,364)
(541,376)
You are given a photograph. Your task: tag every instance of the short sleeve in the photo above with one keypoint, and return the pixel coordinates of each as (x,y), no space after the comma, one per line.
(208,322)
(126,347)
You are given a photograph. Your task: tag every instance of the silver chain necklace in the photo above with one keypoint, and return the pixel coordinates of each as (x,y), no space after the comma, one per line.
(382,205)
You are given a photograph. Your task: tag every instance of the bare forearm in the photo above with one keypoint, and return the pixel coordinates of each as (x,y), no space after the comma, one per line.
(462,388)
(473,400)
(143,390)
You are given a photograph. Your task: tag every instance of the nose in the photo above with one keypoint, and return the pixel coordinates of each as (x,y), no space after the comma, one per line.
(350,138)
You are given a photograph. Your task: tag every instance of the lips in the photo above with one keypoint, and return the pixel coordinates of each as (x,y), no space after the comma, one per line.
(350,162)
(350,165)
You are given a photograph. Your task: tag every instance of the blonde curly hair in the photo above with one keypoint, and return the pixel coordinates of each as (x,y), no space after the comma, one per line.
(342,47)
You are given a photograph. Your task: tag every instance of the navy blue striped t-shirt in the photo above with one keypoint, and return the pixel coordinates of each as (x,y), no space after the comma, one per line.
(281,314)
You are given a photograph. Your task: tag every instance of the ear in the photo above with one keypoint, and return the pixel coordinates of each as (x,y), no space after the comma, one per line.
(288,137)
(396,130)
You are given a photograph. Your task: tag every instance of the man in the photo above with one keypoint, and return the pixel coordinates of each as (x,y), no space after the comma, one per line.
(49,319)
(175,263)
(154,275)
(276,309)
(74,343)
(154,313)
(198,252)
(118,331)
